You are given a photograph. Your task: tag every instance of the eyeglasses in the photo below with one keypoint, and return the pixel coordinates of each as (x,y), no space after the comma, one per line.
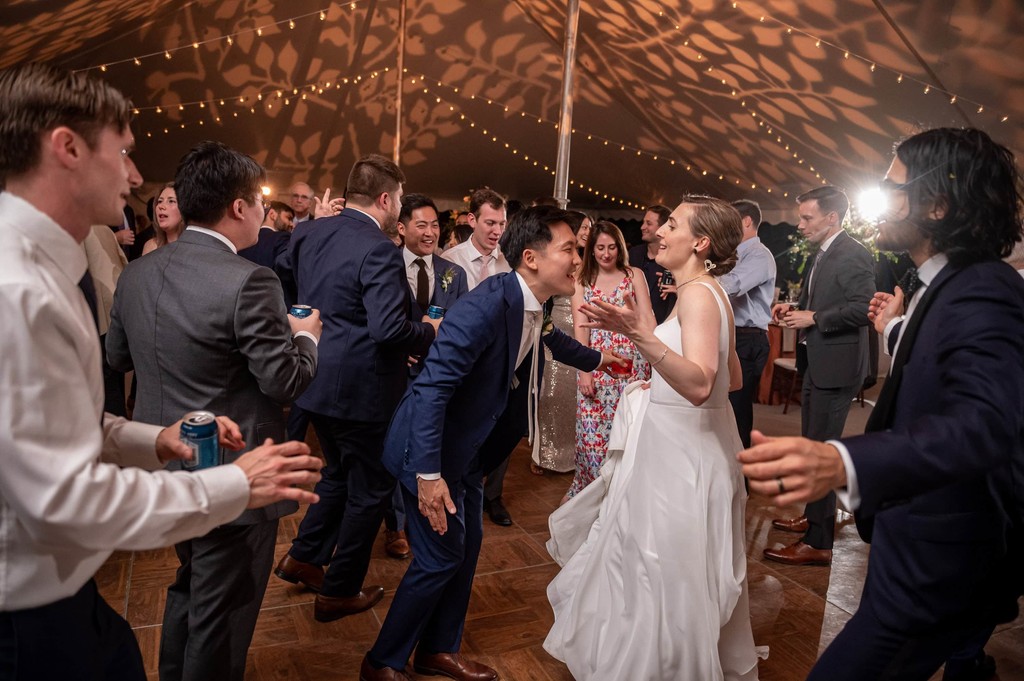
(888,186)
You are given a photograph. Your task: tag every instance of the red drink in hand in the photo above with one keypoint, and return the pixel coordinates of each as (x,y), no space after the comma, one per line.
(620,371)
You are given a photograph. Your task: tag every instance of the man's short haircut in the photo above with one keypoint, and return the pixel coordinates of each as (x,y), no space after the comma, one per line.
(209,179)
(37,98)
(829,199)
(749,209)
(411,202)
(372,176)
(280,207)
(975,181)
(529,228)
(661,211)
(486,196)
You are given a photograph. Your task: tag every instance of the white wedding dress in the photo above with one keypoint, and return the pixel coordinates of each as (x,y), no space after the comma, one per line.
(655,589)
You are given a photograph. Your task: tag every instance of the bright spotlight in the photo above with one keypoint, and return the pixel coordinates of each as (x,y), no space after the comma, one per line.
(266,190)
(872,204)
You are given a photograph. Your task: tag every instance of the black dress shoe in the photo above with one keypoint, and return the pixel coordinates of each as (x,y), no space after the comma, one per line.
(497,512)
(330,608)
(979,669)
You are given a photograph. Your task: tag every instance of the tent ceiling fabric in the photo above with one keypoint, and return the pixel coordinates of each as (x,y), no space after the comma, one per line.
(643,86)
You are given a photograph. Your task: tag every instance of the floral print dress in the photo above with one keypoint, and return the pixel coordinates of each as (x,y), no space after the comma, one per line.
(594,414)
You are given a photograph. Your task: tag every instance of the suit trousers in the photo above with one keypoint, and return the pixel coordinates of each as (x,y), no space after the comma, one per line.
(823,417)
(354,487)
(430,605)
(79,638)
(752,349)
(214,601)
(868,649)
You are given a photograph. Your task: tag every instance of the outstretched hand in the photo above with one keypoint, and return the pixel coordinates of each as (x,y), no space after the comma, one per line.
(884,307)
(626,319)
(791,470)
(274,471)
(434,501)
(326,207)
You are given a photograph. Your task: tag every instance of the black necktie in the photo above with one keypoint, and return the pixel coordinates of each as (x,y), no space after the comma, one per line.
(89,291)
(910,283)
(422,285)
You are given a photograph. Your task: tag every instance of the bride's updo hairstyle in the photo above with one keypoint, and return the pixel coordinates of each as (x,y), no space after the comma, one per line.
(721,224)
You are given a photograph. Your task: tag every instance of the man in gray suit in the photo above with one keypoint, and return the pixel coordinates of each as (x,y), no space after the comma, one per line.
(832,324)
(206,329)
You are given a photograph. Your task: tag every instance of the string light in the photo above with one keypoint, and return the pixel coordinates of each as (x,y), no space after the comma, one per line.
(228,39)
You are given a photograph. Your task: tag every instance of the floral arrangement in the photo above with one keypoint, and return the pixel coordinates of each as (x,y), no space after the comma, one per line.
(547,326)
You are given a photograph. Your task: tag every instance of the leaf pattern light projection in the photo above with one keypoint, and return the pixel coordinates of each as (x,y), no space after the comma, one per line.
(763,99)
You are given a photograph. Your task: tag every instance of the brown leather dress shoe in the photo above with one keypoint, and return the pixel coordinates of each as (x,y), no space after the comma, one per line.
(798,524)
(800,553)
(367,672)
(296,572)
(396,545)
(452,665)
(330,608)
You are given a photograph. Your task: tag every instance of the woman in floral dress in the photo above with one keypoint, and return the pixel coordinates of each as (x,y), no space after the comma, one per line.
(604,275)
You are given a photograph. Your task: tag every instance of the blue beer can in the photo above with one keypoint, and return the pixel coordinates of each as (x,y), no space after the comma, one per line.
(435,312)
(199,432)
(300,311)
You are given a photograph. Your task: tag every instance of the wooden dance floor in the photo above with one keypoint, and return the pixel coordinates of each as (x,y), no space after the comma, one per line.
(796,611)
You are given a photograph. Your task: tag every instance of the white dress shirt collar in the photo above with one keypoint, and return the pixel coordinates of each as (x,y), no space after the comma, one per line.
(530,302)
(53,241)
(828,242)
(410,259)
(215,235)
(366,214)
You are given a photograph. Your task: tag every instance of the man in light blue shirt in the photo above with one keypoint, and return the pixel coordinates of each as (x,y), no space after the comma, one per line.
(751,288)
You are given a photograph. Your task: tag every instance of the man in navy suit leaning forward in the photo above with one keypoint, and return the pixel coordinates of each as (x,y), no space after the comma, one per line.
(935,482)
(476,378)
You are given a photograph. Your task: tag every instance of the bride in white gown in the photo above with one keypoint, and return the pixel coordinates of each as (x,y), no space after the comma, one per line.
(654,588)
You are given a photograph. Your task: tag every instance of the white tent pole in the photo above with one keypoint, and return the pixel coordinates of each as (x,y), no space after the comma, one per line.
(400,80)
(572,18)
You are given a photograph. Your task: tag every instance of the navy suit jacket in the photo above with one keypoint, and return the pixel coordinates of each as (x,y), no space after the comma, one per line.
(444,296)
(270,245)
(934,470)
(466,385)
(349,270)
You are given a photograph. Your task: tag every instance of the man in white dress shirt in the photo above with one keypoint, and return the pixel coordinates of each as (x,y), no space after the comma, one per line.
(77,483)
(480,255)
(481,258)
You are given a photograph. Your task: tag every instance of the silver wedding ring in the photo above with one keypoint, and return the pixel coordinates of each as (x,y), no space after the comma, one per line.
(782,488)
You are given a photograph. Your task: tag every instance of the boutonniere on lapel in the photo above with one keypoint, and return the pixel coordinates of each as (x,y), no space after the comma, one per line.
(547,326)
(447,278)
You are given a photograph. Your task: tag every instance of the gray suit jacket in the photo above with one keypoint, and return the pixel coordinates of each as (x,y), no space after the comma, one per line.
(839,293)
(204,328)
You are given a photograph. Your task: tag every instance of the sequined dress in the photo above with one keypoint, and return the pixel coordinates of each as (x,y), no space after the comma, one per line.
(558,402)
(594,414)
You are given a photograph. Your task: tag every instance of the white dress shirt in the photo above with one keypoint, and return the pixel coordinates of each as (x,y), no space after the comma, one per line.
(929,269)
(73,490)
(471,260)
(532,309)
(412,272)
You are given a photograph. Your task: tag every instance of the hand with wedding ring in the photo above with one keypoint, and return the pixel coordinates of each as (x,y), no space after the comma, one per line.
(792,470)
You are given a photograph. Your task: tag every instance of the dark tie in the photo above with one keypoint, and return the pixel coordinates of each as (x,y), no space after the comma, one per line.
(422,285)
(89,291)
(910,283)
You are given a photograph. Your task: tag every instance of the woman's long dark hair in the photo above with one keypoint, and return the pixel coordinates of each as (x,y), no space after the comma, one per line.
(588,271)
